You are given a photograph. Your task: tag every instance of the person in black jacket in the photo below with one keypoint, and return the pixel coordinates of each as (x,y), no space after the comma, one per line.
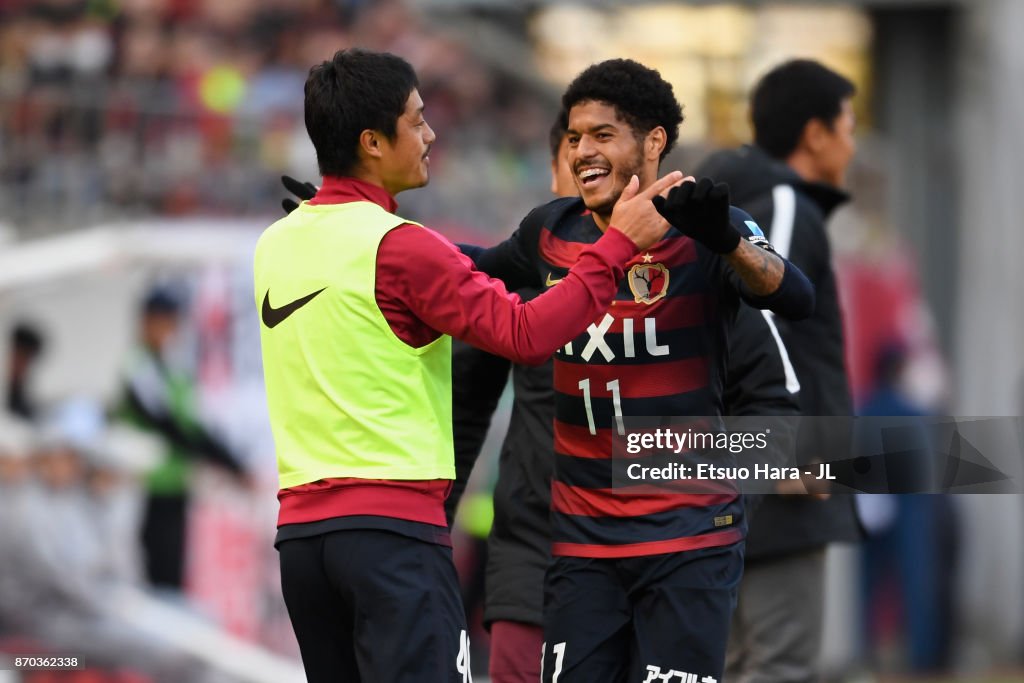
(759,382)
(790,181)
(27,344)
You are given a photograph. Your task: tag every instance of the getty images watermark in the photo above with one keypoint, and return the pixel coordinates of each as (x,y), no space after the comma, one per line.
(843,454)
(691,441)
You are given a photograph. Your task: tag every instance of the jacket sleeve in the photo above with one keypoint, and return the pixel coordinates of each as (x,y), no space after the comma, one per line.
(807,242)
(478,380)
(512,261)
(192,439)
(443,290)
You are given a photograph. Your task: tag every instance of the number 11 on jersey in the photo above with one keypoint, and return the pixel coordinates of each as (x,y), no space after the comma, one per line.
(613,387)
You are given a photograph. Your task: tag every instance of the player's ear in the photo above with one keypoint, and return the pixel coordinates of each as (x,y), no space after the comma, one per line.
(654,143)
(815,136)
(370,144)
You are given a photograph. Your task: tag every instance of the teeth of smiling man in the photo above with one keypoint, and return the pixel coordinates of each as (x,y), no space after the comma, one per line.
(591,172)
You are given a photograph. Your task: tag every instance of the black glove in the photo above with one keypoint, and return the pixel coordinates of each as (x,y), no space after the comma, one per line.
(298,188)
(701,210)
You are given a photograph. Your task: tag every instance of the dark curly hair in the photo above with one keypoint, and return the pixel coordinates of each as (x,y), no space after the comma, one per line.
(354,91)
(642,98)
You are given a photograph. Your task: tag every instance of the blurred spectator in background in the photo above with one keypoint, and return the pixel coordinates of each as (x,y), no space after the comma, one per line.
(790,180)
(888,396)
(178,108)
(15,448)
(909,557)
(59,582)
(115,469)
(159,398)
(48,562)
(27,345)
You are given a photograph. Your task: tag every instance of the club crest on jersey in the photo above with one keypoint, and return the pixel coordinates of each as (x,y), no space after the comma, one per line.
(648,282)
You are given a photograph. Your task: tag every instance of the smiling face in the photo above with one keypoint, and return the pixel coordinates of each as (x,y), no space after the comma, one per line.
(405,160)
(604,152)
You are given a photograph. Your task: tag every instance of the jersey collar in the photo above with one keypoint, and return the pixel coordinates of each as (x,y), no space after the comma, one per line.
(343,189)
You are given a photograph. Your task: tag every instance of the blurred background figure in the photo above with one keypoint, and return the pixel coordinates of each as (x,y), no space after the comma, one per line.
(889,395)
(26,346)
(159,398)
(791,181)
(58,574)
(115,469)
(909,559)
(16,444)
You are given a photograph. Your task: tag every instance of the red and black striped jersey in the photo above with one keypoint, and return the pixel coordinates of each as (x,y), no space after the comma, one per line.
(658,350)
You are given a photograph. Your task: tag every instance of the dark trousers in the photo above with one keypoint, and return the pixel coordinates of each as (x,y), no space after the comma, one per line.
(643,619)
(163,540)
(371,606)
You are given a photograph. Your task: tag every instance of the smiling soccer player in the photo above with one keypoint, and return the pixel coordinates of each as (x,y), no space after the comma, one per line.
(642,585)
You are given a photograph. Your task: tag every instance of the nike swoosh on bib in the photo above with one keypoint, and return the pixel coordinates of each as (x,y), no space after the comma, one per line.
(272,317)
(551,282)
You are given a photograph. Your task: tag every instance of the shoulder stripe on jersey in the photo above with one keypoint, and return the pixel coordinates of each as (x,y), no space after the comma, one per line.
(709,540)
(783,216)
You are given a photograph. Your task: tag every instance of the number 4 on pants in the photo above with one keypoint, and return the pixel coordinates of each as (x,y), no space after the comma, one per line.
(462,661)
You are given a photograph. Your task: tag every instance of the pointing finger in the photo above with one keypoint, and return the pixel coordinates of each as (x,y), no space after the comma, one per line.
(661,184)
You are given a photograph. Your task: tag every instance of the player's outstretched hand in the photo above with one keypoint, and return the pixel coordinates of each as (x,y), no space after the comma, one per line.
(701,210)
(635,215)
(298,188)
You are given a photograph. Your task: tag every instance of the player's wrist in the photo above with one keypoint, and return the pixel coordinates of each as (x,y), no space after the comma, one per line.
(724,241)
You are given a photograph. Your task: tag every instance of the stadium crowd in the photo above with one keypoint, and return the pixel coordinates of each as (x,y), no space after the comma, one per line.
(177,107)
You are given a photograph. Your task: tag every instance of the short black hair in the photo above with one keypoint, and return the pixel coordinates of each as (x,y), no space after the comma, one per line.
(27,338)
(557,132)
(791,95)
(354,91)
(161,300)
(641,96)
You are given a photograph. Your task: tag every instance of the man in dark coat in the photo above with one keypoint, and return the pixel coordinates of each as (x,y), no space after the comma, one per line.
(790,181)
